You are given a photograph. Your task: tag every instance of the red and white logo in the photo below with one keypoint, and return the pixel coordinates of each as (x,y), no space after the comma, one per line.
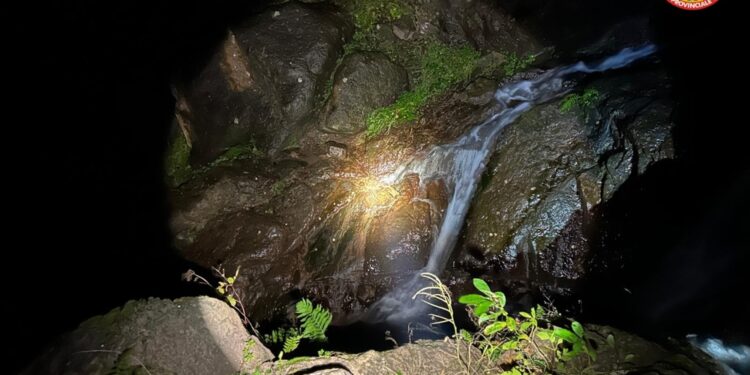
(692,4)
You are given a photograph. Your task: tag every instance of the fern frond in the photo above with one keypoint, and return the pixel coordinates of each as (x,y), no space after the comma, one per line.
(304,308)
(291,343)
(315,324)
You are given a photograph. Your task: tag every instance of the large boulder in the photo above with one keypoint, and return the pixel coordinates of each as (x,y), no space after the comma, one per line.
(196,335)
(550,169)
(263,81)
(363,82)
(300,44)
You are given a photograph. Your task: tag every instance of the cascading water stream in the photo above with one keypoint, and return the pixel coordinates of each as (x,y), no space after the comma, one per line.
(460,165)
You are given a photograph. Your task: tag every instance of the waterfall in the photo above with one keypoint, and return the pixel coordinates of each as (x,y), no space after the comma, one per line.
(460,165)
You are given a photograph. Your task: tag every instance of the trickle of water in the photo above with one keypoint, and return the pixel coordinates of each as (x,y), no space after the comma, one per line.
(461,164)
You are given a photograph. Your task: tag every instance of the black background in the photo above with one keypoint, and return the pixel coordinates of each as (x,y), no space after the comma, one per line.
(90,110)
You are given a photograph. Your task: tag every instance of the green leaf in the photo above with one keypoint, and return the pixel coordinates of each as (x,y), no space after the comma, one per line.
(525,314)
(315,320)
(472,299)
(577,328)
(304,307)
(485,317)
(509,345)
(566,335)
(494,328)
(629,357)
(466,335)
(482,308)
(539,311)
(482,286)
(291,343)
(231,300)
(511,323)
(525,326)
(544,335)
(220,290)
(611,340)
(577,348)
(500,296)
(591,353)
(231,280)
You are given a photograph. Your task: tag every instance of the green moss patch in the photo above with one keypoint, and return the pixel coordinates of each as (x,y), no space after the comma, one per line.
(177,163)
(368,13)
(442,66)
(517,64)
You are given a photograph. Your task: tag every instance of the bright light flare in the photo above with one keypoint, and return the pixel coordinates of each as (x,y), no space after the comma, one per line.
(375,194)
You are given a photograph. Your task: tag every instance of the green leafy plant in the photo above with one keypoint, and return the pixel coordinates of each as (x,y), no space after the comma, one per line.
(576,340)
(587,100)
(314,319)
(226,289)
(516,64)
(523,338)
(277,336)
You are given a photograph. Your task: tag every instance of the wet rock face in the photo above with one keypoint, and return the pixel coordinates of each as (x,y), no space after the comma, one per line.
(551,168)
(484,25)
(363,82)
(300,44)
(231,101)
(253,215)
(263,81)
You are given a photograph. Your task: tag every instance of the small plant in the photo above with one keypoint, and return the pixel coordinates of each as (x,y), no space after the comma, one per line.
(247,352)
(587,100)
(438,296)
(279,186)
(225,289)
(516,64)
(576,338)
(315,321)
(501,334)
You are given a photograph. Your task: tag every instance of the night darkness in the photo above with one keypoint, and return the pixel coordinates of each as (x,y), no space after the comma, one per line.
(91,110)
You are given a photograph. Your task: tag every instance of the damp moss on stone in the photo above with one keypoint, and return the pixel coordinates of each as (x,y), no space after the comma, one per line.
(279,186)
(239,152)
(369,13)
(442,66)
(177,163)
(178,167)
(516,64)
